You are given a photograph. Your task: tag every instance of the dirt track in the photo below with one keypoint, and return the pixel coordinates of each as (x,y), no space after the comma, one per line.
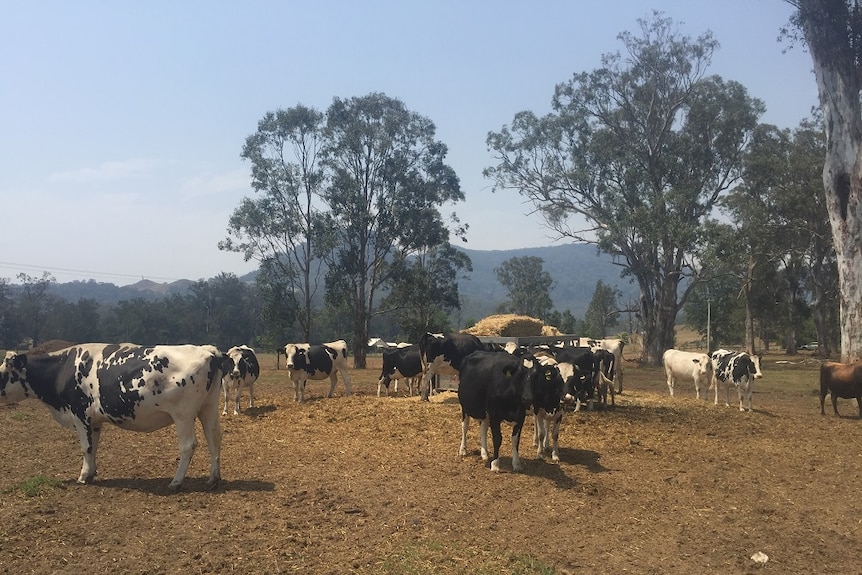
(368,485)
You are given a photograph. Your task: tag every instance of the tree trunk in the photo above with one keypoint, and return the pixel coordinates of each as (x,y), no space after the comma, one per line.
(839,98)
(659,321)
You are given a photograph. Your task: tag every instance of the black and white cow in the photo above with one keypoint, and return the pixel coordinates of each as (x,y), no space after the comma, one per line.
(305,361)
(241,370)
(400,363)
(497,387)
(615,346)
(548,410)
(687,366)
(442,355)
(737,368)
(133,387)
(585,374)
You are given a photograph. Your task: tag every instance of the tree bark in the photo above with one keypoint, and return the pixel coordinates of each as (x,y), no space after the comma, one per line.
(839,99)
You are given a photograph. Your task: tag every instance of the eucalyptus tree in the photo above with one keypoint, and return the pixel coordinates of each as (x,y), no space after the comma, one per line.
(602,312)
(832,30)
(280,227)
(633,157)
(387,182)
(33,306)
(425,289)
(529,286)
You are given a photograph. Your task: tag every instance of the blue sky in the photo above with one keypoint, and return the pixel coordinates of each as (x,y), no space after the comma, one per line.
(122,122)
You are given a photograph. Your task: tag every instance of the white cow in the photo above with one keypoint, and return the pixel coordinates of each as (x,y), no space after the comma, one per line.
(687,365)
(305,361)
(133,387)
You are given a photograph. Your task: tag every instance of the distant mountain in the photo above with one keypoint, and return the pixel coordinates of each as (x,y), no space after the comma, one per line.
(575,269)
(108,293)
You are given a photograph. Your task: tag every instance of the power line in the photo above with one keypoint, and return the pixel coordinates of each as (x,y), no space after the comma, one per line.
(19,267)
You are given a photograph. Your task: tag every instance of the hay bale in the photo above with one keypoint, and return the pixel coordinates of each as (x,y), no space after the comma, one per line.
(507,325)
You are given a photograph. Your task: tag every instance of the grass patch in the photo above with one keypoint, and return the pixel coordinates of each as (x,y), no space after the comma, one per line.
(36,485)
(19,416)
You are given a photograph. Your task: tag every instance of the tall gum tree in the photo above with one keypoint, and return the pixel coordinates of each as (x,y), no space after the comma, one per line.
(640,149)
(832,30)
(388,180)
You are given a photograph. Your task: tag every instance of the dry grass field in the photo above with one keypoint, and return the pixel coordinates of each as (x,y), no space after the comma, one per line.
(366,485)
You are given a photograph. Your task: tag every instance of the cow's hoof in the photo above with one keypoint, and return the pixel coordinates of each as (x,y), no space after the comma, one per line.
(212,484)
(495,466)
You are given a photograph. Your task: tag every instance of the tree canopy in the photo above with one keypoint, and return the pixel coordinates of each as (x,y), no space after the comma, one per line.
(633,158)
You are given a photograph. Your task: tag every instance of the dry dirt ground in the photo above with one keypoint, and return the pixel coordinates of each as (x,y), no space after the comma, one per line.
(364,484)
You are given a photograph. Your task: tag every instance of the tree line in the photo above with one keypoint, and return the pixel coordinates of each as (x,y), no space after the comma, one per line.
(659,164)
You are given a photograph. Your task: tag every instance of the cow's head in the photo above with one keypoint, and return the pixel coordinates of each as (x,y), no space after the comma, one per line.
(13,378)
(755,364)
(702,364)
(296,355)
(236,364)
(548,387)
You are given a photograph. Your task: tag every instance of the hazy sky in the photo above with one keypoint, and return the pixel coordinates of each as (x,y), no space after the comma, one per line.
(122,122)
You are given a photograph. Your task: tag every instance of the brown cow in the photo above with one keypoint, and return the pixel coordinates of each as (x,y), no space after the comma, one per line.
(842,380)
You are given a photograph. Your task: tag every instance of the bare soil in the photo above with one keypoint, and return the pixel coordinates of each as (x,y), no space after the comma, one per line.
(364,484)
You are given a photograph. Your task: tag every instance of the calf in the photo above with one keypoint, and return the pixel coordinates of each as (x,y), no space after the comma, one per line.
(842,380)
(241,369)
(687,365)
(400,363)
(131,386)
(548,411)
(442,355)
(497,387)
(738,368)
(305,361)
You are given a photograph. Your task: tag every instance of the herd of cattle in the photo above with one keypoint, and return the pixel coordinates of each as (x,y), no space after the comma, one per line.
(142,388)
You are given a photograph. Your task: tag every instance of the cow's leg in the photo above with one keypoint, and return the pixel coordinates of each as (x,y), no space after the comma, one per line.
(497,439)
(251,394)
(89,439)
(670,382)
(823,401)
(237,392)
(212,433)
(483,439)
(380,387)
(516,441)
(296,394)
(187,444)
(225,387)
(465,424)
(619,375)
(859,404)
(346,377)
(424,388)
(539,432)
(834,402)
(555,437)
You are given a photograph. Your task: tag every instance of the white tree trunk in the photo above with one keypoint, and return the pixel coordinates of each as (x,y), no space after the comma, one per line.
(842,180)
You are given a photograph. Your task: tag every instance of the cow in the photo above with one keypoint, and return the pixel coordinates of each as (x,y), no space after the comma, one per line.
(687,365)
(842,380)
(497,387)
(583,376)
(442,355)
(305,361)
(400,363)
(613,345)
(738,368)
(133,387)
(548,411)
(242,369)
(605,367)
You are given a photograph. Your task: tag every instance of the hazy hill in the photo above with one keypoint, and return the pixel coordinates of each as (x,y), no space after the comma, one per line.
(575,269)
